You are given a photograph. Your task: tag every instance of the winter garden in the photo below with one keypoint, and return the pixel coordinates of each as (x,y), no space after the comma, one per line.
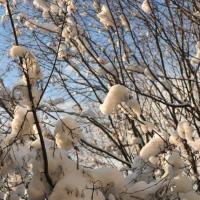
(100,100)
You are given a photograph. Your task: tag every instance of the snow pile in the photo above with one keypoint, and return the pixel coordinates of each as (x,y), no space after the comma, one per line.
(67,133)
(117,94)
(105,17)
(153,147)
(69,182)
(195,144)
(59,163)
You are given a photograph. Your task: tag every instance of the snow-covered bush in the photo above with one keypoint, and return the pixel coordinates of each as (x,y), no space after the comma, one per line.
(100,100)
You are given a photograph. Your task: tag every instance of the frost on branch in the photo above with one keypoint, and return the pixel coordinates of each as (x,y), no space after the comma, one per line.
(116,95)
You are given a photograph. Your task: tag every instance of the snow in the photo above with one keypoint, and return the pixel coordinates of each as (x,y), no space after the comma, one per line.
(147,127)
(16,51)
(22,122)
(149,74)
(21,94)
(146,7)
(141,189)
(40,4)
(3,20)
(117,94)
(135,68)
(106,69)
(185,130)
(67,133)
(105,16)
(183,183)
(195,144)
(38,188)
(75,185)
(189,196)
(153,147)
(109,176)
(174,164)
(45,27)
(30,65)
(71,8)
(124,23)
